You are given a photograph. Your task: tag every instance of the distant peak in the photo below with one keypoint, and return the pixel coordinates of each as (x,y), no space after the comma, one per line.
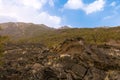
(64,27)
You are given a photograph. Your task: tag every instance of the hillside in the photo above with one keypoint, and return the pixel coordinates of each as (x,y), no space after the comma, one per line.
(28,32)
(23,30)
(36,52)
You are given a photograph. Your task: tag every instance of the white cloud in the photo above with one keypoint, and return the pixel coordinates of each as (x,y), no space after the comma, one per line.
(51,3)
(107,17)
(49,20)
(34,3)
(95,6)
(113,4)
(74,4)
(0,2)
(27,11)
(6,18)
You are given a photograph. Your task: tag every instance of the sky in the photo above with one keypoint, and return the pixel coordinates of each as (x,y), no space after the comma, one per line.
(57,13)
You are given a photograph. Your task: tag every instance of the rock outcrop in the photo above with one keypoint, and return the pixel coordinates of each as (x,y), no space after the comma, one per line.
(71,60)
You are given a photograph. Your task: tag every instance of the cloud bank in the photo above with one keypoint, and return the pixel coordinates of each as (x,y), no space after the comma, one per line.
(95,6)
(28,11)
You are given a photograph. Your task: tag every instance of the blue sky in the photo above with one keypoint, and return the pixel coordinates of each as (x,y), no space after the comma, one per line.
(56,13)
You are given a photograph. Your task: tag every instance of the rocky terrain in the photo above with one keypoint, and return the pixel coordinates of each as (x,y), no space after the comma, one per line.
(72,59)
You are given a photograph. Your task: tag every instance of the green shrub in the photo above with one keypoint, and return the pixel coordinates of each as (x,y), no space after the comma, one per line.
(91,35)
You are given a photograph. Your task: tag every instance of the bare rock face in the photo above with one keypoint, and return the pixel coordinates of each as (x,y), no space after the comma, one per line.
(71,60)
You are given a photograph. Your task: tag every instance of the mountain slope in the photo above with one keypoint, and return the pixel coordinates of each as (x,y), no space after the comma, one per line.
(20,30)
(28,32)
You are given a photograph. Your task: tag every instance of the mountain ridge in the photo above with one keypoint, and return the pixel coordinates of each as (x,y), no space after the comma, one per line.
(20,29)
